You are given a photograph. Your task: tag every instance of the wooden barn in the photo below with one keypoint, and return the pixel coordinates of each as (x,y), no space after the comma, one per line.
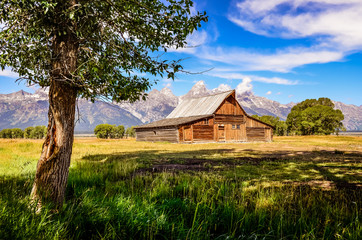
(214,118)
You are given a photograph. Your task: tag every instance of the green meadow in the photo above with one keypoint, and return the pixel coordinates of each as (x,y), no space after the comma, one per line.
(292,188)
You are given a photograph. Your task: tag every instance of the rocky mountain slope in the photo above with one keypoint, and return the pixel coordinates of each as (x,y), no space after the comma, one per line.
(22,109)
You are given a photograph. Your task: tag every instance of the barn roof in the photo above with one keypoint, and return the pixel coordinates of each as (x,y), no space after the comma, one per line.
(170,122)
(199,106)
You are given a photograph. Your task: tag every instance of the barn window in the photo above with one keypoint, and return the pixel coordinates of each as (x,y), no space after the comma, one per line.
(235,126)
(206,121)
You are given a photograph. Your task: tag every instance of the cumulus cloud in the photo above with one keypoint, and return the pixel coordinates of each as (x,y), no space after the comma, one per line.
(244,86)
(268,93)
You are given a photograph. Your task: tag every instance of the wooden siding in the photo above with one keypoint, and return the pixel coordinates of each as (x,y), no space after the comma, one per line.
(268,134)
(255,134)
(203,133)
(157,134)
(237,119)
(181,134)
(187,137)
(253,123)
(230,107)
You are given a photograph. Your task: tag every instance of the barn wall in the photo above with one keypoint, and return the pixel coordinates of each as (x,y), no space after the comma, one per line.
(170,134)
(257,131)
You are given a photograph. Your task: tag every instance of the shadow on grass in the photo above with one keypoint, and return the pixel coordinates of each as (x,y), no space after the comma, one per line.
(282,166)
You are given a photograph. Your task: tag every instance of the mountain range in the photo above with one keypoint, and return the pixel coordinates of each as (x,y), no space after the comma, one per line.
(22,109)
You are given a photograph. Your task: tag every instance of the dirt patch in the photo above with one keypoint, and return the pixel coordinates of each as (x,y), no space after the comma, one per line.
(173,168)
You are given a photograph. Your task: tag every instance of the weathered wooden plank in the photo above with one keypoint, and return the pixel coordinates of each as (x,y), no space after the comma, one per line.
(222,119)
(255,134)
(157,134)
(205,132)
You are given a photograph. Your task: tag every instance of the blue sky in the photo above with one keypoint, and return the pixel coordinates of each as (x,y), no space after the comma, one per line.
(285,50)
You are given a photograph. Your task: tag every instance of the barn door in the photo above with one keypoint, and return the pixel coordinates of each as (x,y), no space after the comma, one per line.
(187,133)
(221,133)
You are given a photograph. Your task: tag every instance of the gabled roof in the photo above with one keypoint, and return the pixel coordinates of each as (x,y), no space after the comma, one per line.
(199,106)
(171,122)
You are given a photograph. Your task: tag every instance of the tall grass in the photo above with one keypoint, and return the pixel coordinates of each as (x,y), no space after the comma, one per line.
(239,191)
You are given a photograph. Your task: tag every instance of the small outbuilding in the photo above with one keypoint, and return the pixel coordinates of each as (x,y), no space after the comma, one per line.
(214,118)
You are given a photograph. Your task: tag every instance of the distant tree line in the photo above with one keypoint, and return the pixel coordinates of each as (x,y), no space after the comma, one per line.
(37,132)
(310,117)
(107,131)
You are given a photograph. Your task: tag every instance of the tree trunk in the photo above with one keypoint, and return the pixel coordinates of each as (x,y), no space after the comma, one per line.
(53,166)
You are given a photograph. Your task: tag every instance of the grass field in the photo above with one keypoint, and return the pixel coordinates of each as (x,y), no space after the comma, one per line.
(292,188)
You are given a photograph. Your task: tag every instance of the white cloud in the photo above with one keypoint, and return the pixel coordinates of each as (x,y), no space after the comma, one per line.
(244,86)
(238,76)
(278,93)
(8,73)
(268,92)
(332,26)
(194,41)
(334,23)
(281,61)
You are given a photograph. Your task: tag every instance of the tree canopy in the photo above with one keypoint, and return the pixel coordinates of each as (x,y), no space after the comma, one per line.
(114,42)
(314,116)
(89,49)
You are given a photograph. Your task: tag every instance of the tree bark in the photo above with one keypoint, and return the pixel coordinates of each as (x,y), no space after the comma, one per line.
(53,166)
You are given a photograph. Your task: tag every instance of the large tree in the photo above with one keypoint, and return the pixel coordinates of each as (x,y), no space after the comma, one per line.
(88,49)
(314,116)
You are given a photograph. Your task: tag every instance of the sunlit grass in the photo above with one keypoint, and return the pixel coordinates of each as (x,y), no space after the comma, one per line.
(292,188)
